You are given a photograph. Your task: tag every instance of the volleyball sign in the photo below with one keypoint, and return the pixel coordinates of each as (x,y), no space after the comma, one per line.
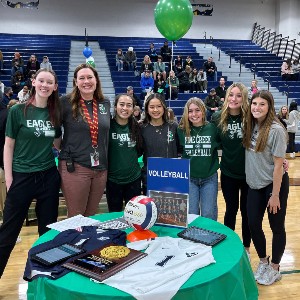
(140,212)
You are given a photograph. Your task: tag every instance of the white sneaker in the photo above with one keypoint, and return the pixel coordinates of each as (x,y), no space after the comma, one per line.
(205,91)
(19,240)
(269,276)
(261,268)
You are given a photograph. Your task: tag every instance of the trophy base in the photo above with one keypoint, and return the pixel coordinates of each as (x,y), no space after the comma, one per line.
(138,235)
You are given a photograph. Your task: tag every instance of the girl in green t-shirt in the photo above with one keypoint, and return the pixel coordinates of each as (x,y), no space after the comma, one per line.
(199,141)
(125,146)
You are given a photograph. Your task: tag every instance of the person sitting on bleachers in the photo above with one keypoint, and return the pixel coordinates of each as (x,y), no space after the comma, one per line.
(17,64)
(130,59)
(7,95)
(17,82)
(147,84)
(32,64)
(30,76)
(24,94)
(178,64)
(194,81)
(152,53)
(159,84)
(202,81)
(130,93)
(184,80)
(46,64)
(159,67)
(146,65)
(173,83)
(221,89)
(188,62)
(120,58)
(286,70)
(296,69)
(210,67)
(212,103)
(253,88)
(166,52)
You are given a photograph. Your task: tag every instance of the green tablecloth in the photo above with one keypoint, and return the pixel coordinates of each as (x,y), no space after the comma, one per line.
(230,278)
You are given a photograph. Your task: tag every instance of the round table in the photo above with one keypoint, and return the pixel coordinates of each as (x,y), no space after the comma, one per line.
(230,278)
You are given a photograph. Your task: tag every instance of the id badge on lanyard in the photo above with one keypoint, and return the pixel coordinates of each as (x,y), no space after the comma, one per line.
(94,157)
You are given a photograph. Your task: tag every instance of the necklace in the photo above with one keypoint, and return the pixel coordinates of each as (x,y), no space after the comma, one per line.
(158,129)
(234,119)
(197,131)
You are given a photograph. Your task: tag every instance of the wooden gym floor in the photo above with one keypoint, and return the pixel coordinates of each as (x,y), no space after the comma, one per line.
(13,287)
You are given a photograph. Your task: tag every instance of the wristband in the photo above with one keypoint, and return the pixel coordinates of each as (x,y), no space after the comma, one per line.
(271,194)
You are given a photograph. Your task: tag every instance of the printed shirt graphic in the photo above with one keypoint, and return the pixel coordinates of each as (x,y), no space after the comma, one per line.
(170,262)
(201,148)
(123,166)
(34,135)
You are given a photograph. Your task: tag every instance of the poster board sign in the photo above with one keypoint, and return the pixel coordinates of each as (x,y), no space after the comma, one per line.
(168,185)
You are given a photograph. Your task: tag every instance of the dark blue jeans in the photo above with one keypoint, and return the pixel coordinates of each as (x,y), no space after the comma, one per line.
(42,186)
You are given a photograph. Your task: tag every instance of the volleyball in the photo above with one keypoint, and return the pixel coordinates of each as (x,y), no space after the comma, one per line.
(140,212)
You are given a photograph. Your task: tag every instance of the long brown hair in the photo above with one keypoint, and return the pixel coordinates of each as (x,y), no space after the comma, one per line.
(75,95)
(184,123)
(53,103)
(265,126)
(223,124)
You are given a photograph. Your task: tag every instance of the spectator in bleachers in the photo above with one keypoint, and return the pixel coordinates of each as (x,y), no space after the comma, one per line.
(130,59)
(31,76)
(184,80)
(24,94)
(171,116)
(173,83)
(283,114)
(2,87)
(202,81)
(166,52)
(147,84)
(46,64)
(292,126)
(212,103)
(296,69)
(178,65)
(17,82)
(210,67)
(137,113)
(159,84)
(159,67)
(188,62)
(7,95)
(120,58)
(32,64)
(1,62)
(253,88)
(152,53)
(146,65)
(130,92)
(221,89)
(17,64)
(194,81)
(83,155)
(286,70)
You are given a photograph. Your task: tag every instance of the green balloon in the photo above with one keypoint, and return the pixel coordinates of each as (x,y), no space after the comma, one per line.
(173,18)
(91,63)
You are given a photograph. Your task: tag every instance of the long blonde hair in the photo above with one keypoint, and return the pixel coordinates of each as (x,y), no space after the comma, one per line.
(184,123)
(280,112)
(265,126)
(225,109)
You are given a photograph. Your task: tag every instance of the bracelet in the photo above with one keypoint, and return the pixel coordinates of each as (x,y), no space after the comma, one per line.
(271,194)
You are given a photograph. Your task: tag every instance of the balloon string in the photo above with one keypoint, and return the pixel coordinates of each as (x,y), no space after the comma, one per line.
(170,87)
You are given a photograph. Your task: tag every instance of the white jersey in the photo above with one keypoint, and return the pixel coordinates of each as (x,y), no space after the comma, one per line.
(169,264)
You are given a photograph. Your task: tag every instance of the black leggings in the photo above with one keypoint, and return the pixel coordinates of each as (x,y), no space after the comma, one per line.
(291,142)
(256,206)
(235,194)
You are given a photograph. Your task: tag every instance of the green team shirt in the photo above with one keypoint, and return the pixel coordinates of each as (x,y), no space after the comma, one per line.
(34,135)
(123,166)
(233,152)
(202,150)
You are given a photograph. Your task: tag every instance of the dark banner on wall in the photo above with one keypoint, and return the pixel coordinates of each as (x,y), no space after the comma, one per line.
(200,9)
(20,4)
